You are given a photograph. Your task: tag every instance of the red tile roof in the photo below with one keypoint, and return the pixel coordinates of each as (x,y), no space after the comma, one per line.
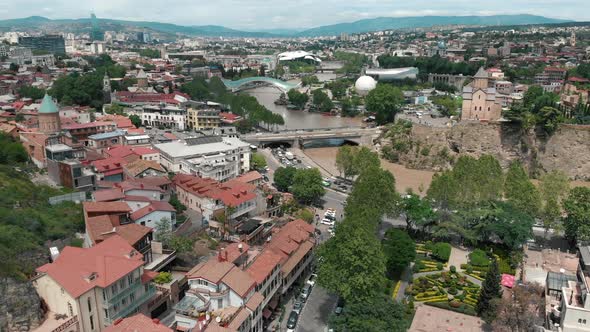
(231,193)
(109,166)
(212,270)
(78,270)
(263,265)
(154,206)
(106,207)
(249,177)
(87,125)
(137,323)
(102,227)
(233,251)
(239,281)
(108,195)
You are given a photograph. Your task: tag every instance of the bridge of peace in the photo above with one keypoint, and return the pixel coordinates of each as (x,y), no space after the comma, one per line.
(248,82)
(300,138)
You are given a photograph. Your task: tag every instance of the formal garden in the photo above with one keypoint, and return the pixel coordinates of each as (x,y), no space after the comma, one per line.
(431,256)
(448,290)
(480,260)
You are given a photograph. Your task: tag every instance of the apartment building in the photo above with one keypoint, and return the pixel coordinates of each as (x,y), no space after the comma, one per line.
(202,116)
(218,157)
(211,197)
(96,286)
(163,116)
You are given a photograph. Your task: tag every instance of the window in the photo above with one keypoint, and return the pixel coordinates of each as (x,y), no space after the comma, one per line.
(132,297)
(92,322)
(130,278)
(70,309)
(219,303)
(89,305)
(124,302)
(104,295)
(106,313)
(122,283)
(114,289)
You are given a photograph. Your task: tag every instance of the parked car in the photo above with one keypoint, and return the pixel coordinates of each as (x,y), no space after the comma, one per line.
(297,307)
(311,280)
(328,222)
(292,321)
(305,292)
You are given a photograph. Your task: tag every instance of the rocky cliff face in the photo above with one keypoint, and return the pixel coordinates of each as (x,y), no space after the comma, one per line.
(20,306)
(568,149)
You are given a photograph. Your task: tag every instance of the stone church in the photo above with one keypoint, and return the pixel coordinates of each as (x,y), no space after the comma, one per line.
(479,100)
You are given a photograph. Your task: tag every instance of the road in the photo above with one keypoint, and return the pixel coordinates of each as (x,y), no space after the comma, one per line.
(316,312)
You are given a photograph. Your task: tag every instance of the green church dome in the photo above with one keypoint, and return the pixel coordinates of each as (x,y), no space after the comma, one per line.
(48,106)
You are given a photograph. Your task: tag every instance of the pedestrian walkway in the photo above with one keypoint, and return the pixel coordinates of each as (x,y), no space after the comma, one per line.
(458,257)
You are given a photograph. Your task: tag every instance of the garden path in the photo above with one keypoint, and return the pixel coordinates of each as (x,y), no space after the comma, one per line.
(458,256)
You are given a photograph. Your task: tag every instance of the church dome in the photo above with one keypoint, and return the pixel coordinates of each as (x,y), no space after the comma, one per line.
(365,84)
(48,106)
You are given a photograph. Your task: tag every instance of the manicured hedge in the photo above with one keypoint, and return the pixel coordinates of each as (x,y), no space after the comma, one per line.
(464,308)
(479,258)
(441,251)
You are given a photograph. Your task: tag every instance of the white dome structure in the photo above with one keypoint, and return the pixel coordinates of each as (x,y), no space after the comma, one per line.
(364,84)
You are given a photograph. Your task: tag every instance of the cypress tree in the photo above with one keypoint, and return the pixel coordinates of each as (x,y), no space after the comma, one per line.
(490,289)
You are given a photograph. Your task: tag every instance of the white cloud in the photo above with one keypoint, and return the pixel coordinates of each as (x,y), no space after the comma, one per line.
(265,14)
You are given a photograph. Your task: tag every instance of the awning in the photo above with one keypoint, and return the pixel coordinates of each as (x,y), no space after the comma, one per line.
(507,280)
(273,303)
(266,313)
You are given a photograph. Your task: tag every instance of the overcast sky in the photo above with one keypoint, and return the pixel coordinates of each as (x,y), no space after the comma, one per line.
(271,14)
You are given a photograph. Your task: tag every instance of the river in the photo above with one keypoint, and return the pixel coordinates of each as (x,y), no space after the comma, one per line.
(266,95)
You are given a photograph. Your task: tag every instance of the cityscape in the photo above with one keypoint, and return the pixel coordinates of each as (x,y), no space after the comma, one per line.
(346,167)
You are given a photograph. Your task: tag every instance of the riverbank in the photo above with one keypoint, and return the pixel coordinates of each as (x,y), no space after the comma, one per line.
(405,178)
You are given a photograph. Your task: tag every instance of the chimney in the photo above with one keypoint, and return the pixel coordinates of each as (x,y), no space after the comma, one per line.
(225,252)
(219,257)
(119,320)
(240,247)
(156,321)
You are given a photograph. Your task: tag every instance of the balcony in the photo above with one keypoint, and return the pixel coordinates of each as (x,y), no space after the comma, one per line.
(135,304)
(122,294)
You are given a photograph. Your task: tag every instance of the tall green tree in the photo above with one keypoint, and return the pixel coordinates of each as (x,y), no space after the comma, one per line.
(321,101)
(399,250)
(378,314)
(136,120)
(520,191)
(345,161)
(364,159)
(373,195)
(490,290)
(417,211)
(297,98)
(258,161)
(352,264)
(283,177)
(577,209)
(307,185)
(384,101)
(554,187)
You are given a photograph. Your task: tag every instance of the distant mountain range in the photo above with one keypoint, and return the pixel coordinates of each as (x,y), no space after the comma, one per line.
(366,25)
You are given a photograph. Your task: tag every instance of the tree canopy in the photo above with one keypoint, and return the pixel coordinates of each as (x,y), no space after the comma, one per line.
(307,185)
(399,249)
(520,191)
(384,101)
(297,98)
(283,178)
(577,209)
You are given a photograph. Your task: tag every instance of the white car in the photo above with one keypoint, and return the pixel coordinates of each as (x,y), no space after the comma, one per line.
(328,222)
(311,280)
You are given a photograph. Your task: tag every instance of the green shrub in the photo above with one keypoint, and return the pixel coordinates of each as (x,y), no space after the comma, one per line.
(453,269)
(464,309)
(163,278)
(441,251)
(479,258)
(469,269)
(452,291)
(439,266)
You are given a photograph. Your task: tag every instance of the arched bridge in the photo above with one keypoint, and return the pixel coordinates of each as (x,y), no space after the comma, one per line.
(299,137)
(248,81)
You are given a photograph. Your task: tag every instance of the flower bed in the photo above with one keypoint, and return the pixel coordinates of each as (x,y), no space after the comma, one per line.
(445,287)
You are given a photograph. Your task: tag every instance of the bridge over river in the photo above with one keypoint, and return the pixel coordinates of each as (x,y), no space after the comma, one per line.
(302,137)
(244,83)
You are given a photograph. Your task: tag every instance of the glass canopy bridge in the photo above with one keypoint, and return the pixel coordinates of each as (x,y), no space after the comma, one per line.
(250,81)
